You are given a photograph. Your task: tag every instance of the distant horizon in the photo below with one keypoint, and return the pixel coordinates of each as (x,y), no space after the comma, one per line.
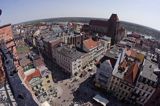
(141,12)
(79,17)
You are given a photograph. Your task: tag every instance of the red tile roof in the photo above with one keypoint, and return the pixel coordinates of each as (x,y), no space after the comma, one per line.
(35,74)
(135,71)
(90,44)
(123,64)
(135,54)
(131,53)
(131,74)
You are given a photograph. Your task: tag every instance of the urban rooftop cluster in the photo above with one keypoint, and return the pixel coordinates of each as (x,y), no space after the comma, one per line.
(71,63)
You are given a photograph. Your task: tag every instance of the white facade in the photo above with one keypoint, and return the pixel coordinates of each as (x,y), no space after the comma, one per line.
(104,74)
(69,59)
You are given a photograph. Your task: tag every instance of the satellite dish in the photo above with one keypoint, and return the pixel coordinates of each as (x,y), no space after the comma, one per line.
(0,11)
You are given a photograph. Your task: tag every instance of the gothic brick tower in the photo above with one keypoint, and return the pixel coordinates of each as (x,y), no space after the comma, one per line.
(113,26)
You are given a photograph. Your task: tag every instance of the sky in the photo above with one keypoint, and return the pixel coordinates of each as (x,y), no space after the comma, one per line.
(144,12)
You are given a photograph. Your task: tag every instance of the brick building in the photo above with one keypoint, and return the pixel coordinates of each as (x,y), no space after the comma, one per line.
(109,28)
(132,78)
(40,82)
(7,35)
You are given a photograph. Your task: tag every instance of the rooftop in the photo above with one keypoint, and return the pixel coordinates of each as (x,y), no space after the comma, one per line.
(32,73)
(148,70)
(44,71)
(106,38)
(113,52)
(50,38)
(38,62)
(131,53)
(101,100)
(131,74)
(135,54)
(69,52)
(5,26)
(127,69)
(105,68)
(90,43)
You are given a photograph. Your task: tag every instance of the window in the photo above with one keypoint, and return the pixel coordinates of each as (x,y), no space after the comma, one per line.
(79,66)
(150,83)
(121,85)
(40,84)
(110,88)
(125,87)
(151,90)
(154,84)
(138,92)
(143,100)
(129,89)
(120,96)
(138,99)
(50,86)
(48,81)
(140,79)
(113,78)
(143,94)
(147,95)
(144,80)
(42,89)
(146,89)
(138,85)
(47,76)
(122,92)
(36,94)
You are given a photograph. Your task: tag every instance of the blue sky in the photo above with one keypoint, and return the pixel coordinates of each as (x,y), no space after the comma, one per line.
(144,12)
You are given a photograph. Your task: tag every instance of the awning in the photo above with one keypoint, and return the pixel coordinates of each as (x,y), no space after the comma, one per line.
(101,100)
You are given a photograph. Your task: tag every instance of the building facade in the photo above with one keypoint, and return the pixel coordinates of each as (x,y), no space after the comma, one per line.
(69,59)
(40,82)
(7,36)
(110,28)
(132,78)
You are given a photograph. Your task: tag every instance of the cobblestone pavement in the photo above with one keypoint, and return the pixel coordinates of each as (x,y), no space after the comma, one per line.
(76,90)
